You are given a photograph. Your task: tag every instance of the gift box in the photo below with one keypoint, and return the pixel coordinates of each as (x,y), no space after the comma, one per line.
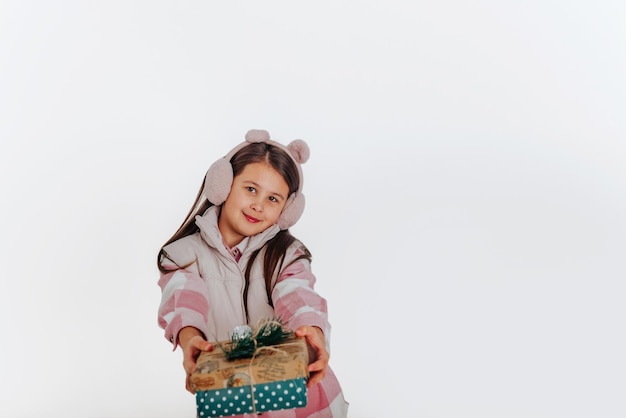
(273,378)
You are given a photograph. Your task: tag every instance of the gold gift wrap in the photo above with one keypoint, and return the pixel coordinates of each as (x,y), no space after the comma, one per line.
(273,378)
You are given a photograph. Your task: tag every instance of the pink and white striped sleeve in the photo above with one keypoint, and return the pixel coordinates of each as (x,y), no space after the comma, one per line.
(183,303)
(296,302)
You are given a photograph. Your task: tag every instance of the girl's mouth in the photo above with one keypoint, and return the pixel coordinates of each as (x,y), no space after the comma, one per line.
(251,219)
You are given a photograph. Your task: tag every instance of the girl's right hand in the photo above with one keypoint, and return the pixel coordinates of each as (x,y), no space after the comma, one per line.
(193,343)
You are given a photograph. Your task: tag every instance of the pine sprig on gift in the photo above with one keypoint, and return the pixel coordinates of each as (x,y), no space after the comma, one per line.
(268,332)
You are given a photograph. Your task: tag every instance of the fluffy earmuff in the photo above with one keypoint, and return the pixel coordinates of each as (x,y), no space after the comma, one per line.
(219,177)
(292,211)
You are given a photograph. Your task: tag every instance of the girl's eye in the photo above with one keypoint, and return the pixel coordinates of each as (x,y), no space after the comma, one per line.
(273,199)
(251,189)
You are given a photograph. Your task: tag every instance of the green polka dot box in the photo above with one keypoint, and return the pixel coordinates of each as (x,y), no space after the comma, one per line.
(273,379)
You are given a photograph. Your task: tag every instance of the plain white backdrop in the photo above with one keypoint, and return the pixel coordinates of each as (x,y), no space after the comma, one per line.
(465,194)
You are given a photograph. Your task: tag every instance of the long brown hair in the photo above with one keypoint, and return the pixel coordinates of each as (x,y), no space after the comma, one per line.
(276,247)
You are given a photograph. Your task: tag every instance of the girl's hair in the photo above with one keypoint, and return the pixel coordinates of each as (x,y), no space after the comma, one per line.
(277,246)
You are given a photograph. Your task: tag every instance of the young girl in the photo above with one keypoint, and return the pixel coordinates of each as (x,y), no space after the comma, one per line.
(233,262)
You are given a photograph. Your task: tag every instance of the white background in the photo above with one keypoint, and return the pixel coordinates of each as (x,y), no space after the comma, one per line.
(466,194)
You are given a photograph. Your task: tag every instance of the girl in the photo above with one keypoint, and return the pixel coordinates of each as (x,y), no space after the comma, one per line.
(233,262)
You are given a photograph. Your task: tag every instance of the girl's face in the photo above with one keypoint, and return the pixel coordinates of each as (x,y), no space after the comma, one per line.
(256,200)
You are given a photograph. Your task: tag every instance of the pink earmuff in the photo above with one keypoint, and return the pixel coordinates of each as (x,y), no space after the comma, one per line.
(219,177)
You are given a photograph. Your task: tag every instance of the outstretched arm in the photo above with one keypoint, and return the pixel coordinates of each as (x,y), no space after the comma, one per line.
(183,303)
(301,308)
(183,315)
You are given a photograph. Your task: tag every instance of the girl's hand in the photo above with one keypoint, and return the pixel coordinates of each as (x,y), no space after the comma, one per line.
(317,353)
(193,343)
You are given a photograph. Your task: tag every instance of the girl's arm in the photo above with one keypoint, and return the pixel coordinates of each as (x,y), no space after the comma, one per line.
(183,304)
(295,300)
(183,315)
(304,310)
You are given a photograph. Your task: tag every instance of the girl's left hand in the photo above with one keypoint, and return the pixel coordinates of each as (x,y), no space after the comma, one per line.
(317,352)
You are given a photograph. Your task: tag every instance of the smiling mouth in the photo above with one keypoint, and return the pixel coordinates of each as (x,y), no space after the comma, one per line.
(251,219)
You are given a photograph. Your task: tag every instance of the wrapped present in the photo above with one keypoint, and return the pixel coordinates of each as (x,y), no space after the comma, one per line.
(268,377)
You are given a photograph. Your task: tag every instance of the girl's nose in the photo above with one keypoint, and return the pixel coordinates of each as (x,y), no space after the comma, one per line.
(257,205)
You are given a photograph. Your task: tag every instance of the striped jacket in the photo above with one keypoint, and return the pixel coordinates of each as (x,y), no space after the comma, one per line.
(208,295)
